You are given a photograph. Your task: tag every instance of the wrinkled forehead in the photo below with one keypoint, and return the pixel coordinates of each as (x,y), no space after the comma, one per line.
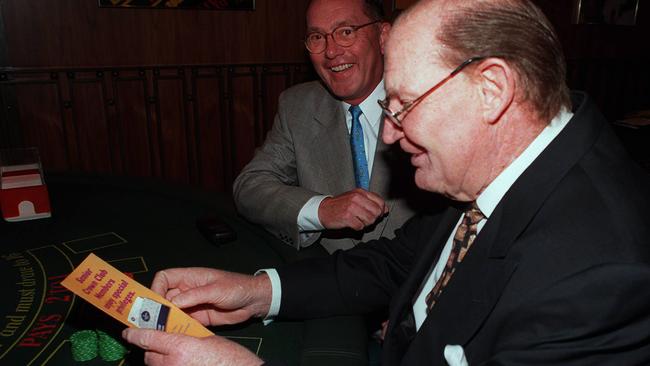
(325,14)
(412,53)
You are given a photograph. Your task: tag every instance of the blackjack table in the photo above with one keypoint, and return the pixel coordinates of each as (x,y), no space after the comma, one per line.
(141,226)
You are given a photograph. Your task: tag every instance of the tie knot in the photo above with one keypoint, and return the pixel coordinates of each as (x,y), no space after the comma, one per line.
(355,111)
(474,214)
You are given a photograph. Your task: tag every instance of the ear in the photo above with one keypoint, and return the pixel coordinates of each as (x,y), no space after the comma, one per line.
(383,35)
(497,88)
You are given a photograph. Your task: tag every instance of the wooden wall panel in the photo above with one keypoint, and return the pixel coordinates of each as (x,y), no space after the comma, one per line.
(274,81)
(172,125)
(209,114)
(200,124)
(91,124)
(42,122)
(77,33)
(245,131)
(187,124)
(188,95)
(133,125)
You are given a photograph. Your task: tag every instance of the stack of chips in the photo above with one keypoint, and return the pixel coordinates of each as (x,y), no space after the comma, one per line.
(87,344)
(84,345)
(109,348)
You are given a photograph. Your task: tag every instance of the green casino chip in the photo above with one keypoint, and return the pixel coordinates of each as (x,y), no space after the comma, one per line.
(109,348)
(84,345)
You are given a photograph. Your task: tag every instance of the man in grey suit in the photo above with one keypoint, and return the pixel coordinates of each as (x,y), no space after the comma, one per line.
(301,183)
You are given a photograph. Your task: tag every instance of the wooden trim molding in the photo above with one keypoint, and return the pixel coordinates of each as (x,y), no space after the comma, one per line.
(190,124)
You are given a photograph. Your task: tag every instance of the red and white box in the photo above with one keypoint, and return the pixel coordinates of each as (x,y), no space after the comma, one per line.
(23,193)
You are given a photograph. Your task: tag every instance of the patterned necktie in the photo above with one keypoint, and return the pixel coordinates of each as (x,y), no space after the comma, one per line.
(358,150)
(463,239)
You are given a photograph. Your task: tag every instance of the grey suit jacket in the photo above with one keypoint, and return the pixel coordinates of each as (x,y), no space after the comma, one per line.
(307,153)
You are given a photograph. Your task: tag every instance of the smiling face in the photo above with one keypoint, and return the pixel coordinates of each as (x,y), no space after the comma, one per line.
(351,73)
(444,134)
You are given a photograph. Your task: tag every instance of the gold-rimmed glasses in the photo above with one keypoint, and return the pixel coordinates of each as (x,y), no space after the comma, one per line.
(398,117)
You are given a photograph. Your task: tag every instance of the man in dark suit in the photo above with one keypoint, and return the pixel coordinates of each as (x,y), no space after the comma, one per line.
(544,261)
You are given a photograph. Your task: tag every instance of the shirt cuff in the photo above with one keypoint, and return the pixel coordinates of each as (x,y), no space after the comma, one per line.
(308,215)
(276,294)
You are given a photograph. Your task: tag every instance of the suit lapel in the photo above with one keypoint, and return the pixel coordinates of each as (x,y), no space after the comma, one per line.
(401,325)
(470,295)
(331,139)
(542,176)
(381,179)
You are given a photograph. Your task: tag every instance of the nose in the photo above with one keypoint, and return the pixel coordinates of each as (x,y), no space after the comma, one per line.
(391,132)
(332,49)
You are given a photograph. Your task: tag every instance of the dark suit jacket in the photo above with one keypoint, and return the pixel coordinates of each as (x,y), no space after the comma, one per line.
(307,153)
(559,274)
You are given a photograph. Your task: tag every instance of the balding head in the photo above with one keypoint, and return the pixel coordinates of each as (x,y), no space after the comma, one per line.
(474,82)
(514,30)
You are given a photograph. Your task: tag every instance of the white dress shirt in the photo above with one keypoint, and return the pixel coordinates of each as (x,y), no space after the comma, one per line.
(370,121)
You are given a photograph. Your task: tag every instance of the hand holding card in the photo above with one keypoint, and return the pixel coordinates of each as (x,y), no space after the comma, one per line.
(126,300)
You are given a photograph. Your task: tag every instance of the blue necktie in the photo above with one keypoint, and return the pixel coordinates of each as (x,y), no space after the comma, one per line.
(358,150)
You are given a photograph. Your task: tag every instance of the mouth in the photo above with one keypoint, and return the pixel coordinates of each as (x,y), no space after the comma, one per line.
(415,157)
(341,67)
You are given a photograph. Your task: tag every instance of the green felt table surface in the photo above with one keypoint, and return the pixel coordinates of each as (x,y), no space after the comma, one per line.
(141,226)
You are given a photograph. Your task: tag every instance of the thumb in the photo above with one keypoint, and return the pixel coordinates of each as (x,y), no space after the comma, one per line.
(152,340)
(196,296)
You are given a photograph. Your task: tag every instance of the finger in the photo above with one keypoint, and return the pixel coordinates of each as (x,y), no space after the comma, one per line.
(356,223)
(172,293)
(138,337)
(367,200)
(152,340)
(384,328)
(163,281)
(368,211)
(377,200)
(195,296)
(154,359)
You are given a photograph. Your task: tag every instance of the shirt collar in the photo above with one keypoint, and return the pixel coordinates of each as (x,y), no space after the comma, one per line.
(488,200)
(369,106)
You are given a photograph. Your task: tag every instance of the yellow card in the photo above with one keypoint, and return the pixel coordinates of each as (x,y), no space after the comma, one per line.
(126,300)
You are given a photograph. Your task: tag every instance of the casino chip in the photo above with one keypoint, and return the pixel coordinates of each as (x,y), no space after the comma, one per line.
(84,345)
(109,348)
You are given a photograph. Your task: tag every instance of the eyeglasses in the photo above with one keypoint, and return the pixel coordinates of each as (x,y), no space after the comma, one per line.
(398,117)
(345,36)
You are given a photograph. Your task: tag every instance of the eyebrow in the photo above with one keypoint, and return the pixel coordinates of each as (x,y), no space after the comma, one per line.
(321,30)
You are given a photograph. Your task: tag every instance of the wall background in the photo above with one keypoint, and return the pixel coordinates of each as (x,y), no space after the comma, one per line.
(187,95)
(77,33)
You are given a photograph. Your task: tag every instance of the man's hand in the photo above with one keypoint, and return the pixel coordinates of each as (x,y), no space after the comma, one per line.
(215,297)
(171,349)
(354,209)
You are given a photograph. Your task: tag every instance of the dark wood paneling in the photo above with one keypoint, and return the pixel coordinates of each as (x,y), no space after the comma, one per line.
(244,129)
(209,116)
(40,108)
(172,127)
(77,33)
(187,124)
(133,124)
(201,124)
(90,122)
(274,81)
